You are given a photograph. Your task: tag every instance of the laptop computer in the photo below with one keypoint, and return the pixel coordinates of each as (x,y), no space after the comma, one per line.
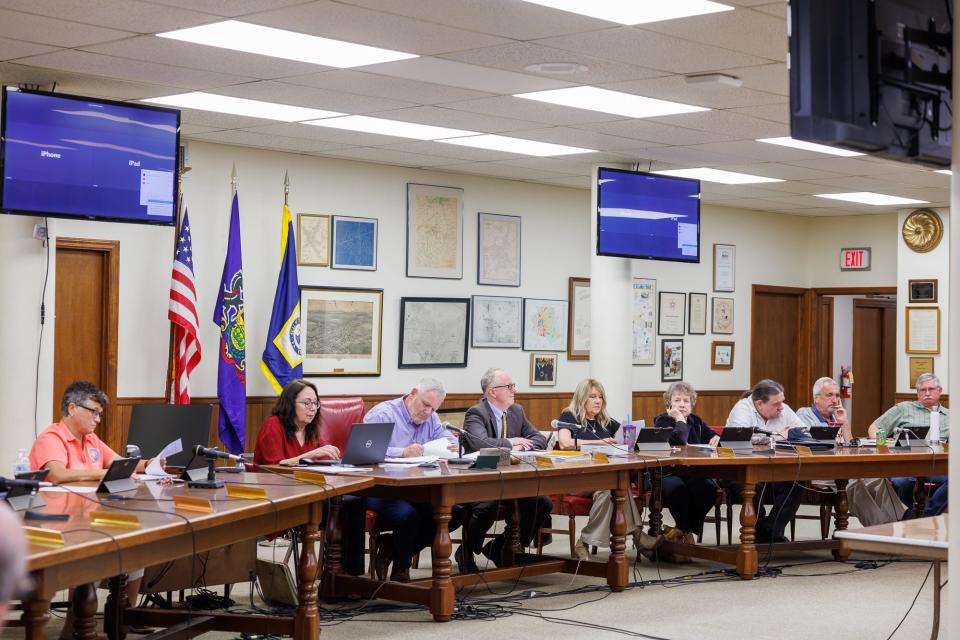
(824,434)
(653,439)
(367,443)
(736,437)
(912,434)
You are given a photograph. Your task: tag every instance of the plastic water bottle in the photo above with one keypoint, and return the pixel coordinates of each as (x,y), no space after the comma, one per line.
(23,462)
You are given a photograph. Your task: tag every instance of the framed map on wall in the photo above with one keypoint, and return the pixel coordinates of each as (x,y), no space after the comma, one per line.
(341,331)
(434,231)
(544,325)
(354,243)
(497,322)
(433,332)
(498,249)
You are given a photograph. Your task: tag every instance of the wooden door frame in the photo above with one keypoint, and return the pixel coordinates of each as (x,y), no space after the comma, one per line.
(876,303)
(110,251)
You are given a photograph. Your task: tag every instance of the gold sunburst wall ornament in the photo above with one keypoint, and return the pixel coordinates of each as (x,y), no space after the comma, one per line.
(923,230)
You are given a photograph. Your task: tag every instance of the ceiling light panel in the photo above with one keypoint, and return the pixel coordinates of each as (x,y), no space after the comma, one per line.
(810,146)
(717,175)
(869,197)
(516,145)
(241,107)
(607,101)
(280,43)
(395,128)
(637,11)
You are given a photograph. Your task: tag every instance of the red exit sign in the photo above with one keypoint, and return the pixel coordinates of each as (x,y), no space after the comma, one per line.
(855,259)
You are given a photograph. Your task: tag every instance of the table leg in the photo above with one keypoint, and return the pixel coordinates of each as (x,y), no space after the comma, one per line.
(84,605)
(441,589)
(935,631)
(656,503)
(841,517)
(306,625)
(617,563)
(113,610)
(919,497)
(511,546)
(331,549)
(747,553)
(36,612)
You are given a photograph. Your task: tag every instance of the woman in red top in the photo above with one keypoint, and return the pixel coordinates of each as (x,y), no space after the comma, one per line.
(291,432)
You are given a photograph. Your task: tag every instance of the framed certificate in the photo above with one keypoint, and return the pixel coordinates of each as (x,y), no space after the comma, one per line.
(697,314)
(923,329)
(724,267)
(673,313)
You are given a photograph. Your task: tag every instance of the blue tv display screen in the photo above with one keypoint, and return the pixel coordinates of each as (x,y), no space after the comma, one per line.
(74,157)
(641,215)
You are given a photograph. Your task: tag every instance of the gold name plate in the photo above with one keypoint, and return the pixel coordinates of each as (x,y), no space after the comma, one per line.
(312,477)
(191,503)
(43,537)
(246,492)
(107,518)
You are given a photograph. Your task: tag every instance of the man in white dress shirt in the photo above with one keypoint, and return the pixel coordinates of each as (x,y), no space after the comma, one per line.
(764,409)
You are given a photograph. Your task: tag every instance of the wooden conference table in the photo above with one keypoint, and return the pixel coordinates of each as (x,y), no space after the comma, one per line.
(920,538)
(94,549)
(839,465)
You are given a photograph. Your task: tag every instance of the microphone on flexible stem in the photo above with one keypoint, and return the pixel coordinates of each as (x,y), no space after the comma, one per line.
(33,485)
(573,427)
(462,433)
(208,452)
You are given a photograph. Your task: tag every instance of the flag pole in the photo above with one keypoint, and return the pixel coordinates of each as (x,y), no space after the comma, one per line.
(233,180)
(168,392)
(286,187)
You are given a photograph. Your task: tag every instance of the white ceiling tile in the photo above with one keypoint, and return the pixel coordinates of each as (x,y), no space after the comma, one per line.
(219,121)
(775,9)
(753,151)
(228,8)
(128,15)
(581,138)
(507,18)
(500,170)
(464,154)
(197,56)
(271,91)
(371,84)
(576,182)
(655,132)
(779,170)
(53,31)
(712,95)
(101,87)
(13,49)
(97,64)
(749,32)
(730,123)
(919,178)
(363,26)
(779,113)
(652,50)
(740,190)
(262,141)
(844,166)
(187,130)
(451,118)
(582,165)
(516,56)
(531,111)
(326,134)
(692,157)
(751,3)
(794,187)
(459,74)
(389,156)
(769,78)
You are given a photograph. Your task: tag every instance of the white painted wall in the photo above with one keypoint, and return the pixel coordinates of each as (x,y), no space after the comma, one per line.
(842,334)
(912,265)
(827,236)
(771,249)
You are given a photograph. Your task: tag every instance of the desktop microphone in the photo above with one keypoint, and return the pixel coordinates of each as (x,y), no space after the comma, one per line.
(208,452)
(556,424)
(9,483)
(462,433)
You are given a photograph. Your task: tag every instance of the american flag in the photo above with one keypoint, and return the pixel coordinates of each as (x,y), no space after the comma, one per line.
(183,314)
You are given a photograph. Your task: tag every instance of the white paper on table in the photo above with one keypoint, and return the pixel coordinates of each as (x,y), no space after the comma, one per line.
(334,468)
(439,448)
(411,460)
(79,489)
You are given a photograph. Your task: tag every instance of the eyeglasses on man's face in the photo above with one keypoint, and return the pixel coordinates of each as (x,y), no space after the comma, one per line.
(510,387)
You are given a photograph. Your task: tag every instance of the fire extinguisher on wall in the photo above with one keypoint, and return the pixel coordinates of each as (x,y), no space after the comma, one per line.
(846,382)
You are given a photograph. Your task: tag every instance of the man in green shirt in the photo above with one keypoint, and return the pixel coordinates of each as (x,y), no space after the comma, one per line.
(926,410)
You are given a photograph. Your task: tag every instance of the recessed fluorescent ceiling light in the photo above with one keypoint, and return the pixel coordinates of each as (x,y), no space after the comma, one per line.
(241,107)
(810,146)
(946,172)
(635,11)
(607,101)
(516,145)
(280,43)
(396,128)
(717,175)
(868,197)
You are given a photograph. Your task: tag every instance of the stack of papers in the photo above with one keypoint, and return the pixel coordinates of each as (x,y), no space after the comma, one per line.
(411,460)
(609,449)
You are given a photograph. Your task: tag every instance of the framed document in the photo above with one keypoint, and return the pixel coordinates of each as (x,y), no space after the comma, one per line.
(697,314)
(433,332)
(497,321)
(918,367)
(671,360)
(724,267)
(673,314)
(313,240)
(722,315)
(354,243)
(544,325)
(721,355)
(923,329)
(434,231)
(923,291)
(498,249)
(643,315)
(578,342)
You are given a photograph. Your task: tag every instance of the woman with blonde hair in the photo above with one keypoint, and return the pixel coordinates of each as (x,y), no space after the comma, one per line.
(588,408)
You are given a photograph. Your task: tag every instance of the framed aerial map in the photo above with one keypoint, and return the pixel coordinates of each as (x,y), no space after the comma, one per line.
(341,331)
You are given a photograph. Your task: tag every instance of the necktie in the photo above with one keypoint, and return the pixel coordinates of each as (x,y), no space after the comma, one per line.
(503,425)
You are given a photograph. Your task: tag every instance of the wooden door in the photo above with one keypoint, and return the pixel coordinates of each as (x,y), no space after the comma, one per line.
(824,339)
(85,334)
(874,360)
(781,337)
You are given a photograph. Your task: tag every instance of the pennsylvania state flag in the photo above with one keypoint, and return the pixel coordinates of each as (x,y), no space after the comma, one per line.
(283,358)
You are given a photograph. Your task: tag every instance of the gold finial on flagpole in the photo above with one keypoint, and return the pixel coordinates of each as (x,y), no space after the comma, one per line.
(233,179)
(286,187)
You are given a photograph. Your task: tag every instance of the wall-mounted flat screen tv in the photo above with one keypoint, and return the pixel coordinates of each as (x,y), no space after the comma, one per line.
(643,215)
(74,157)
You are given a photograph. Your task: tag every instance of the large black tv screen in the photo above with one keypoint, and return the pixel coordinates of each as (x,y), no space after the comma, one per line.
(642,215)
(74,157)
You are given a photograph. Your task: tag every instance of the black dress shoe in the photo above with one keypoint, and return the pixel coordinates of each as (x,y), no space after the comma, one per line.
(400,575)
(465,560)
(493,550)
(384,555)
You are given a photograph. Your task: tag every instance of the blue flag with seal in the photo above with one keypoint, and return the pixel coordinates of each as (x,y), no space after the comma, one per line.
(282,359)
(232,366)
